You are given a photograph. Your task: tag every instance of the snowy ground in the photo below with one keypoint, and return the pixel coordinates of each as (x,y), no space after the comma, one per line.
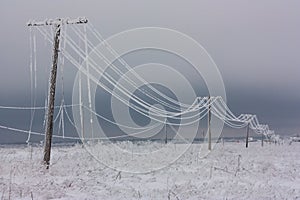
(229,172)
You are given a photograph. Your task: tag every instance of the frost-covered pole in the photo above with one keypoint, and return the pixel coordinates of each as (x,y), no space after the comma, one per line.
(166,139)
(49,130)
(247,135)
(209,128)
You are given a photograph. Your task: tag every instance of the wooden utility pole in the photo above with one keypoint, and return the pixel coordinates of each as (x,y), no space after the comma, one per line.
(247,136)
(49,130)
(166,139)
(209,128)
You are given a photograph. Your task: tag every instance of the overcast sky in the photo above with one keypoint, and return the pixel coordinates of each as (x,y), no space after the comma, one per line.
(255,45)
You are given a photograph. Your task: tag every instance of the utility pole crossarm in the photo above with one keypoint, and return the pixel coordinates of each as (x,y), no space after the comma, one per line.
(79,20)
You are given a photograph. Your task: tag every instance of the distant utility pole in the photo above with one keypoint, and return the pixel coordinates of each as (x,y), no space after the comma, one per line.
(166,139)
(247,135)
(209,128)
(57,23)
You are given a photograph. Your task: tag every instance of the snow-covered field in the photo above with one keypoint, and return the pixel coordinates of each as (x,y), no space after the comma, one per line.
(228,172)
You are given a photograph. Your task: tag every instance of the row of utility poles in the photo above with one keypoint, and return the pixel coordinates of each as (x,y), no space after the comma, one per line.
(209,129)
(57,24)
